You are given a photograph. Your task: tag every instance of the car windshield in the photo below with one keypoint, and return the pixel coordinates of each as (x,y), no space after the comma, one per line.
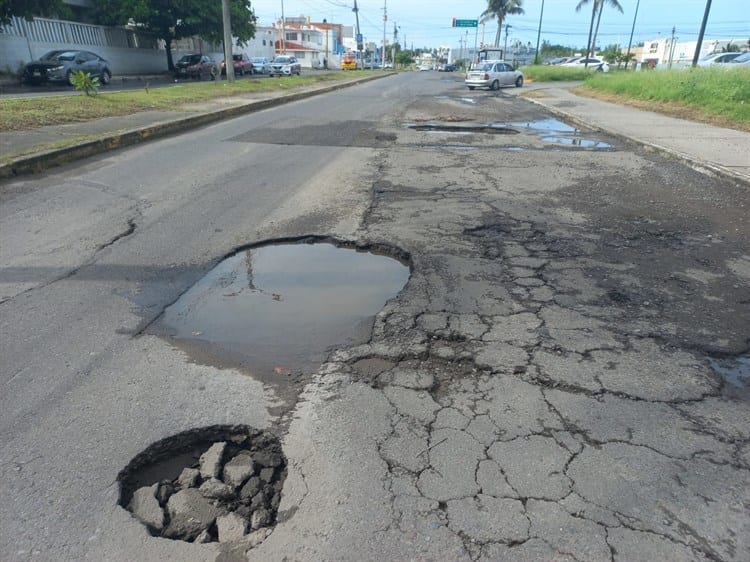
(282,59)
(742,58)
(237,57)
(482,66)
(59,55)
(190,58)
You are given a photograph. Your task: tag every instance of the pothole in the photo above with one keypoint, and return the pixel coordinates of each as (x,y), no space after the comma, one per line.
(577,141)
(734,370)
(219,483)
(541,125)
(464,129)
(557,132)
(276,310)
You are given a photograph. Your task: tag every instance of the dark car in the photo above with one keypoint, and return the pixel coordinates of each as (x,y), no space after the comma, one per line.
(59,66)
(242,65)
(448,68)
(195,66)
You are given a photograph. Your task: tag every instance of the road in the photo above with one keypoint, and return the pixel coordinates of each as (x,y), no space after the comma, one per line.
(561,378)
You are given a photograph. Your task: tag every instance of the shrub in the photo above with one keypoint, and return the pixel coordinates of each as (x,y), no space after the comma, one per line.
(84,82)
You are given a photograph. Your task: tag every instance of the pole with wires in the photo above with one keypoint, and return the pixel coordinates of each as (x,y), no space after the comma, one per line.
(385,19)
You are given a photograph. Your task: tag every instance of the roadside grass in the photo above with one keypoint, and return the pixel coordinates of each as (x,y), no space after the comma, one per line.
(714,95)
(28,113)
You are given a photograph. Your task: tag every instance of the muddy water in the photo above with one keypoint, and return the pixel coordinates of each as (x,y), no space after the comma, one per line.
(276,310)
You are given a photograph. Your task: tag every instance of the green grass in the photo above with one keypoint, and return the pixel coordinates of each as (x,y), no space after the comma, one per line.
(717,91)
(29,113)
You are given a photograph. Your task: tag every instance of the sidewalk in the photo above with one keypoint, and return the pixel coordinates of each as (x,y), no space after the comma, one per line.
(705,147)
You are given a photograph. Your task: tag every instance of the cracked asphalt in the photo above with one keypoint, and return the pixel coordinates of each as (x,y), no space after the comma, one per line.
(542,389)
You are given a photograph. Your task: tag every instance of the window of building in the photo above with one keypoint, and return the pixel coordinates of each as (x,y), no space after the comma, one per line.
(653,47)
(291,36)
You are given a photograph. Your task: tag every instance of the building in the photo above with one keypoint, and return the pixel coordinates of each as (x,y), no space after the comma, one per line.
(664,52)
(314,44)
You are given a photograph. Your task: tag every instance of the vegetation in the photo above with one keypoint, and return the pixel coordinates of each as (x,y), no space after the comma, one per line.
(499,9)
(553,73)
(84,82)
(175,19)
(28,113)
(721,95)
(27,9)
(596,13)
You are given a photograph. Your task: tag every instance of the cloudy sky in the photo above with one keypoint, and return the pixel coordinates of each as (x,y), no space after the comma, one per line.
(427,23)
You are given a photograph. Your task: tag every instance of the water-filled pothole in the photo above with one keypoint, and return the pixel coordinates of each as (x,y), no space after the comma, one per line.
(465,129)
(541,126)
(219,483)
(734,370)
(577,141)
(557,132)
(276,310)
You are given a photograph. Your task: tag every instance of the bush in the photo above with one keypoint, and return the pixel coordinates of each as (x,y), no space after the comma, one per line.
(84,82)
(553,73)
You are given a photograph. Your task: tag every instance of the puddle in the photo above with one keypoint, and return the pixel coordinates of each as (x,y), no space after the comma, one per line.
(541,126)
(577,141)
(276,310)
(734,370)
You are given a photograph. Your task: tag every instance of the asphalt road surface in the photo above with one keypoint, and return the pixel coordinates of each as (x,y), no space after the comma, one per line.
(561,378)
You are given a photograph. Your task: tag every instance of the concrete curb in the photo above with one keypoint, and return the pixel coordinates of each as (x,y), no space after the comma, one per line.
(701,166)
(41,161)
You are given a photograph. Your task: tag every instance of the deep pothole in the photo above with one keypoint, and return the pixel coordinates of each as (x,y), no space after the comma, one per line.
(219,483)
(555,131)
(463,129)
(276,310)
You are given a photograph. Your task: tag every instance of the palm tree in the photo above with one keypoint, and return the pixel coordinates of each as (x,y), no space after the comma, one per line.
(500,9)
(614,4)
(598,6)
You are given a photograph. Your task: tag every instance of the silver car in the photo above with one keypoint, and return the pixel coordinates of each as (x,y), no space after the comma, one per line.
(261,65)
(493,74)
(59,66)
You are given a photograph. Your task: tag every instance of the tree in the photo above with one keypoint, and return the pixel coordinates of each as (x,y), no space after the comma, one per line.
(500,9)
(174,19)
(404,58)
(596,8)
(614,4)
(27,9)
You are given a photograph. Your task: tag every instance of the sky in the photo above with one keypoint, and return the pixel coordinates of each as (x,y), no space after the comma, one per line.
(427,23)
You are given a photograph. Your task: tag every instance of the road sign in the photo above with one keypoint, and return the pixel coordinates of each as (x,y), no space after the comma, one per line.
(465,23)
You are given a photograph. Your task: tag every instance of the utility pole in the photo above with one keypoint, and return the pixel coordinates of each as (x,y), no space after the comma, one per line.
(537,57)
(671,48)
(393,47)
(283,30)
(700,35)
(632,30)
(359,36)
(385,19)
(228,60)
(505,48)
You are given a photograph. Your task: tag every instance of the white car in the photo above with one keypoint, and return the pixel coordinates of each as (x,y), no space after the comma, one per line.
(284,65)
(261,65)
(425,67)
(600,65)
(493,74)
(718,58)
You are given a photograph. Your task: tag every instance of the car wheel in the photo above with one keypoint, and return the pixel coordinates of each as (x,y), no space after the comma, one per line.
(69,78)
(105,77)
(471,87)
(519,81)
(495,85)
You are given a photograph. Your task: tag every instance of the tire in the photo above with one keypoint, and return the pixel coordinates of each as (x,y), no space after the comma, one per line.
(69,78)
(519,81)
(105,77)
(495,85)
(471,87)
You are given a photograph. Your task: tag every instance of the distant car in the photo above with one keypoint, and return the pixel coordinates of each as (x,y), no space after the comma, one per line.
(242,65)
(557,60)
(195,66)
(593,63)
(718,58)
(492,75)
(743,60)
(261,65)
(448,68)
(59,66)
(424,67)
(284,65)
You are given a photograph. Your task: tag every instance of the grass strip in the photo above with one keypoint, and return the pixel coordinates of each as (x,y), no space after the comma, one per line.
(28,113)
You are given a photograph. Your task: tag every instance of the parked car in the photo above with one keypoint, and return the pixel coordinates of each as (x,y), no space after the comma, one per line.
(195,65)
(425,67)
(448,68)
(492,75)
(242,65)
(285,65)
(261,65)
(743,60)
(600,65)
(59,66)
(718,58)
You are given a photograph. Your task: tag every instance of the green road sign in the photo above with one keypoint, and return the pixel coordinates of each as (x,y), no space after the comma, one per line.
(465,23)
